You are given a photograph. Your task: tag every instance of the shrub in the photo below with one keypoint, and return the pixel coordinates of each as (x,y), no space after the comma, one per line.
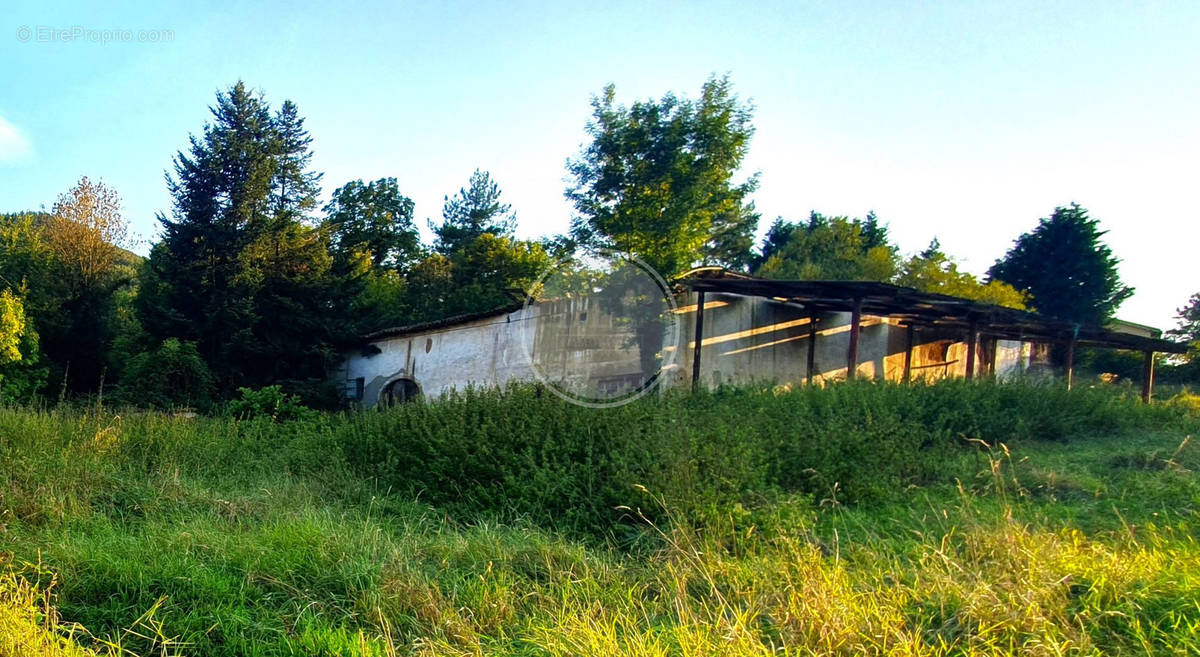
(171,376)
(570,467)
(270,402)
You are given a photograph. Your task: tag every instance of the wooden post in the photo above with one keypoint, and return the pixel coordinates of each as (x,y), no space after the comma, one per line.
(909,331)
(1148,377)
(699,336)
(972,338)
(1070,369)
(812,346)
(852,352)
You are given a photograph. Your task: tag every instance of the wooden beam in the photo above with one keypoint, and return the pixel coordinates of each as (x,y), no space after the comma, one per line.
(972,338)
(909,330)
(855,329)
(1148,377)
(699,340)
(812,346)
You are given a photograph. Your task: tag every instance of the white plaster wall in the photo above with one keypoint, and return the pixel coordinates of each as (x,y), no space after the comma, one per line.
(484,352)
(746,340)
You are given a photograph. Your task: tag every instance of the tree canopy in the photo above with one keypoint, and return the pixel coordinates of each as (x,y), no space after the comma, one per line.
(658,179)
(828,248)
(1065,268)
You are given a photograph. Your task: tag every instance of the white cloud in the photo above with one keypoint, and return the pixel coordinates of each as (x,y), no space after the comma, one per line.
(14,145)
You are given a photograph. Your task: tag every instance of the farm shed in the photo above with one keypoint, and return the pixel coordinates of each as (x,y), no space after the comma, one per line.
(731,329)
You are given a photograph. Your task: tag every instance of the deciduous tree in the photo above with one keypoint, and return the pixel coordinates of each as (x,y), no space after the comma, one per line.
(658,179)
(933,271)
(829,248)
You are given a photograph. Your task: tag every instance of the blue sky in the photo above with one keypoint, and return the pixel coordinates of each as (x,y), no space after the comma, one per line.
(967,121)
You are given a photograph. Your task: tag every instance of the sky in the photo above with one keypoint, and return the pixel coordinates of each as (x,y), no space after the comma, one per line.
(964,121)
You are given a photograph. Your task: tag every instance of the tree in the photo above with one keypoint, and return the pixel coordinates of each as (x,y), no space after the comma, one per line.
(240,271)
(85,236)
(474,211)
(933,271)
(828,248)
(490,272)
(169,376)
(1188,326)
(373,219)
(657,179)
(20,374)
(1068,272)
(12,327)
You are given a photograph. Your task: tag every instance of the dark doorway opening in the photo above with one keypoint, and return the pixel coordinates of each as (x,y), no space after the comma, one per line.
(399,391)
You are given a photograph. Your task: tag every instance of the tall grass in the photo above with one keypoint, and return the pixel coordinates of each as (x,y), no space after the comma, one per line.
(857,519)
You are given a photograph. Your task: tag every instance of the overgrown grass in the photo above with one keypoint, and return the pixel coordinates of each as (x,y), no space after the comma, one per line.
(949,519)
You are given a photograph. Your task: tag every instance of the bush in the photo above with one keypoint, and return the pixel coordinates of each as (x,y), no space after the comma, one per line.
(570,467)
(172,376)
(270,402)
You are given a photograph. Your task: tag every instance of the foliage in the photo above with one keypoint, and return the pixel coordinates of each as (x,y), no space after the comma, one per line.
(25,379)
(85,236)
(490,272)
(474,211)
(828,248)
(21,373)
(1066,269)
(12,327)
(656,181)
(557,463)
(1188,327)
(260,538)
(270,403)
(238,271)
(375,220)
(173,375)
(934,271)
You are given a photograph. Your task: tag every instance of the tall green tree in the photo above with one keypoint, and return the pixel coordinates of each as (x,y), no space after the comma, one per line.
(1068,272)
(828,248)
(373,219)
(658,179)
(474,211)
(240,271)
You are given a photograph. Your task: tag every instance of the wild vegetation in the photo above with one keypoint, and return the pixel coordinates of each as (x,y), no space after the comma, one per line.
(861,518)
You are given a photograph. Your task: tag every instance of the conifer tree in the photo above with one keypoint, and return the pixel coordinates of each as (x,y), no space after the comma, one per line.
(239,270)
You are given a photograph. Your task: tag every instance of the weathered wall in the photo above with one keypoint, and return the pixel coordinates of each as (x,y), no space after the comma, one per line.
(745,340)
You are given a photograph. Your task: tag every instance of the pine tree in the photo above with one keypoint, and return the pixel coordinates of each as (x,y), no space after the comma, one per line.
(474,211)
(239,271)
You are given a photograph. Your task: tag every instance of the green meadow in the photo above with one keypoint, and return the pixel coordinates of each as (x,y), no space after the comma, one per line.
(962,518)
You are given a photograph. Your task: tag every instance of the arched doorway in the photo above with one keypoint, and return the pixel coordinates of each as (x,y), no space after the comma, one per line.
(399,391)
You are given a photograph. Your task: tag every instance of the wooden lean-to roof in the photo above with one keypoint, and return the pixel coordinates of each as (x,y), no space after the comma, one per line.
(921,309)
